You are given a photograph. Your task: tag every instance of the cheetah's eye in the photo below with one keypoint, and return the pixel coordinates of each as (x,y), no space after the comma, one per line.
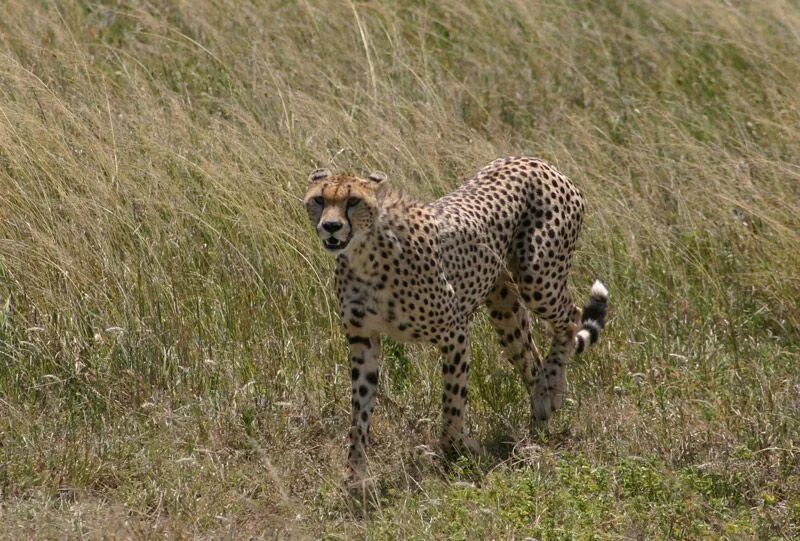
(353,201)
(319,201)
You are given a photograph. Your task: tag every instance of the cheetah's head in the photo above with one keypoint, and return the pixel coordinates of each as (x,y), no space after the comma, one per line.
(341,207)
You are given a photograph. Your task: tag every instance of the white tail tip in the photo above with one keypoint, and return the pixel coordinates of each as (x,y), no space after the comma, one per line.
(599,291)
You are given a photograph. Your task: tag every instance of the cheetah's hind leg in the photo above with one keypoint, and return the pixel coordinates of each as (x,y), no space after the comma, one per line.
(510,319)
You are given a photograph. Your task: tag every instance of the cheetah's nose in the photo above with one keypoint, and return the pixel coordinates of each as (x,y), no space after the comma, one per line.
(331,227)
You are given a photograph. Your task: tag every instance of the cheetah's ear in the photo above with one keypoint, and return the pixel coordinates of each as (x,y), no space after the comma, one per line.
(318,175)
(377,177)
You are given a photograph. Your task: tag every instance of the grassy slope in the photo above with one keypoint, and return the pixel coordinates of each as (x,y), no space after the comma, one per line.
(170,361)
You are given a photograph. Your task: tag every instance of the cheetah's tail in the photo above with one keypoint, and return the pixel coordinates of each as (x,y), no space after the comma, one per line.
(593,319)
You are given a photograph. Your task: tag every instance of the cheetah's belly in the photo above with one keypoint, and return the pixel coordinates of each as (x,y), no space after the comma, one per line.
(473,273)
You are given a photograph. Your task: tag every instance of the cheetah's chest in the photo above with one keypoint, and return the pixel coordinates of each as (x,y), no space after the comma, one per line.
(406,306)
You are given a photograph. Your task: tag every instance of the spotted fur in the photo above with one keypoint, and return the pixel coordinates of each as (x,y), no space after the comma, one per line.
(418,271)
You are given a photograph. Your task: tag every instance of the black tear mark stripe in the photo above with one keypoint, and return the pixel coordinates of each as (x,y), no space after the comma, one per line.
(363,340)
(347,211)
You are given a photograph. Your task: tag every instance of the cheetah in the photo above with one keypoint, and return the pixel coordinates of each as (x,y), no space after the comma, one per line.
(417,272)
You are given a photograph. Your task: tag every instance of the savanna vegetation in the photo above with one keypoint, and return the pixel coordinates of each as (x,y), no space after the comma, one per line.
(171,363)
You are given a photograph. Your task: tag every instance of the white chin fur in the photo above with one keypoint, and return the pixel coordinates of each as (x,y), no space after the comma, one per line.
(335,250)
(599,290)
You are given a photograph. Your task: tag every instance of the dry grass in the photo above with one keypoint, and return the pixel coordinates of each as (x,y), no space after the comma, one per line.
(170,361)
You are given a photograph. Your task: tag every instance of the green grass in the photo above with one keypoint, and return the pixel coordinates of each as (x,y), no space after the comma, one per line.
(170,359)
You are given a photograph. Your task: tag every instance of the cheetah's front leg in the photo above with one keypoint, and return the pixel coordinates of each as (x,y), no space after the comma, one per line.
(455,369)
(364,364)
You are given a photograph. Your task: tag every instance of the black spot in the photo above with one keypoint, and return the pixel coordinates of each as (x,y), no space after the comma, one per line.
(359,340)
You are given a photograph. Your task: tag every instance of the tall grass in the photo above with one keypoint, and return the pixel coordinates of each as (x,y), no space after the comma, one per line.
(170,359)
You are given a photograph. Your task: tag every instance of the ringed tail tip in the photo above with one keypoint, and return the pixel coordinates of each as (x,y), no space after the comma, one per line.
(593,318)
